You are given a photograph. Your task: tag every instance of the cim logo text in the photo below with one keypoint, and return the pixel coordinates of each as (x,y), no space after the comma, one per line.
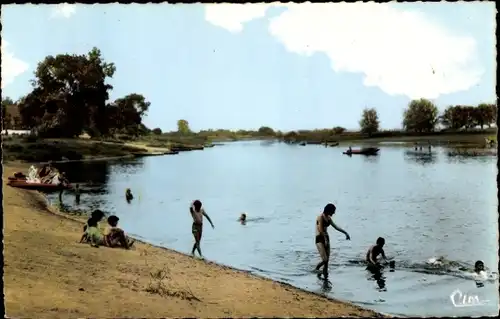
(459,299)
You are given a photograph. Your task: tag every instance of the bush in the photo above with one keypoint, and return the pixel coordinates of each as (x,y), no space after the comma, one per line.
(338,130)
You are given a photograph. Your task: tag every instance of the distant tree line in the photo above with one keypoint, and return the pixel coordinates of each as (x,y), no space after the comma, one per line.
(70,96)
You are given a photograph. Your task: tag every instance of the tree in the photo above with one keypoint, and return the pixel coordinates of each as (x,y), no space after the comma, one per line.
(486,114)
(454,117)
(157,131)
(369,122)
(183,127)
(338,130)
(420,116)
(69,94)
(266,131)
(7,103)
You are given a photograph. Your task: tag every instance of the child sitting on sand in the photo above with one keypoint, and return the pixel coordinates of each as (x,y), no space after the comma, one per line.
(95,217)
(115,236)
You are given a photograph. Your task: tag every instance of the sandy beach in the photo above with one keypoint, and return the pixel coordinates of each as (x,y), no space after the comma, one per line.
(48,274)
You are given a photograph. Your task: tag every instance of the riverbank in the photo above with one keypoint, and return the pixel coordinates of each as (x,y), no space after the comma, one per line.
(49,275)
(476,137)
(28,149)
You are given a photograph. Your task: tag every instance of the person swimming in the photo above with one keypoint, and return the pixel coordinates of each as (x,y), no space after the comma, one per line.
(128,195)
(197,213)
(322,239)
(243,218)
(374,252)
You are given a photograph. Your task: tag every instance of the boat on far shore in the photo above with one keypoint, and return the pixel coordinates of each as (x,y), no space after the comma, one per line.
(363,151)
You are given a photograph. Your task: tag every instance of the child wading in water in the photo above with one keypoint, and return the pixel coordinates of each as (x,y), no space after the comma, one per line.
(197,212)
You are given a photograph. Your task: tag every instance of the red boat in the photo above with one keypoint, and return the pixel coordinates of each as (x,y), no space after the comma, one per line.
(22,183)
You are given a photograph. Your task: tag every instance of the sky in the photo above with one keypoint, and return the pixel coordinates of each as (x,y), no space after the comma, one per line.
(287,66)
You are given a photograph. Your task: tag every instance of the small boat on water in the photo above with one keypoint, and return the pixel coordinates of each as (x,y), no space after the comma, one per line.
(363,151)
(20,183)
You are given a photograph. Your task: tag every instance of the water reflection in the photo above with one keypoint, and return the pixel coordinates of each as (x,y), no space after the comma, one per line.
(85,172)
(377,275)
(421,157)
(92,179)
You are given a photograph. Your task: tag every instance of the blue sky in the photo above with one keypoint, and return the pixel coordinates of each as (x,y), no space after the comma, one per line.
(288,67)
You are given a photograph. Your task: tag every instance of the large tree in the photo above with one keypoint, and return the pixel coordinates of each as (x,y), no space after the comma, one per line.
(486,114)
(183,127)
(70,95)
(369,122)
(7,103)
(420,116)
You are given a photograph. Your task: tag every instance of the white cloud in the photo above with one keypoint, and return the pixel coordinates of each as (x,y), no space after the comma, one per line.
(401,52)
(63,10)
(11,66)
(232,16)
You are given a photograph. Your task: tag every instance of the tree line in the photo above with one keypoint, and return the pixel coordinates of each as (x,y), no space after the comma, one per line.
(70,96)
(422,116)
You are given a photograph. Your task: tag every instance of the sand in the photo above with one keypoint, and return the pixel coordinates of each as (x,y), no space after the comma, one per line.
(48,274)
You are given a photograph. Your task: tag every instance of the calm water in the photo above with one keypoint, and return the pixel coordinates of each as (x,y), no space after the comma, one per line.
(424,205)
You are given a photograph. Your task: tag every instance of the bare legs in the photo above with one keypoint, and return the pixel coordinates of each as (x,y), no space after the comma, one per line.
(324,251)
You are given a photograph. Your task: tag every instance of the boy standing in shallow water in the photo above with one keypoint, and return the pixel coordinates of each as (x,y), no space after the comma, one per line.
(323,240)
(197,212)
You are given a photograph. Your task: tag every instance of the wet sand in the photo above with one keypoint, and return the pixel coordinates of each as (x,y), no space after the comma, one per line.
(48,274)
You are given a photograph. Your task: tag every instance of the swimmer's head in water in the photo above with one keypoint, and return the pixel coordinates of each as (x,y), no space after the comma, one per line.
(329,209)
(479,266)
(380,241)
(243,217)
(197,205)
(113,220)
(97,214)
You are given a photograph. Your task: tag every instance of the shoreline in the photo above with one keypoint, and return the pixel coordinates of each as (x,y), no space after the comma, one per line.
(271,298)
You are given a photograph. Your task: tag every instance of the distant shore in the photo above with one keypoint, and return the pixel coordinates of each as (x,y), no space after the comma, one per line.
(49,275)
(32,149)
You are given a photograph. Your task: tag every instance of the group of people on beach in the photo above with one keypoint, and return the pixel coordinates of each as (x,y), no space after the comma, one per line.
(113,236)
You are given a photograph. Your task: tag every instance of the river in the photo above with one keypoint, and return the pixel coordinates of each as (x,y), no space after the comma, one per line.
(424,205)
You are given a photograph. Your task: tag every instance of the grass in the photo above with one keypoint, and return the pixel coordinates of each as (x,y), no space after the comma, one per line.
(32,149)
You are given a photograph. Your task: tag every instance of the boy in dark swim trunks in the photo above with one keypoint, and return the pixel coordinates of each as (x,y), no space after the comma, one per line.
(197,212)
(374,251)
(322,240)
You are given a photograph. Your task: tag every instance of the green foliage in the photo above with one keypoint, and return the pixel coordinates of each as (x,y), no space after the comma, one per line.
(183,127)
(369,122)
(156,131)
(466,117)
(70,96)
(338,130)
(420,116)
(266,131)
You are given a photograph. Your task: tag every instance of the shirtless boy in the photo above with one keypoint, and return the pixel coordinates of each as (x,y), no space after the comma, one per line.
(374,252)
(197,212)
(322,239)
